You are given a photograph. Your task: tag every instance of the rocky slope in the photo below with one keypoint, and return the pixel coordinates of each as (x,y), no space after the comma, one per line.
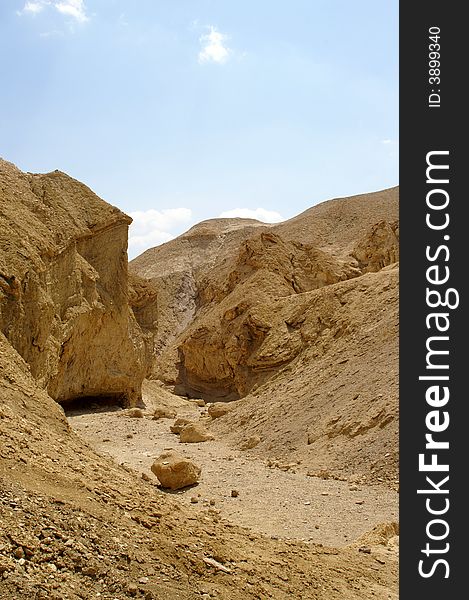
(175,269)
(64,287)
(73,523)
(300,320)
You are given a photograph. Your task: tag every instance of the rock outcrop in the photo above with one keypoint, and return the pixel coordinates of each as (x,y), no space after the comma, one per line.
(273,318)
(64,288)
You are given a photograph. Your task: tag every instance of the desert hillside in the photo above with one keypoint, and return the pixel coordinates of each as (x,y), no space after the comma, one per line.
(298,323)
(299,334)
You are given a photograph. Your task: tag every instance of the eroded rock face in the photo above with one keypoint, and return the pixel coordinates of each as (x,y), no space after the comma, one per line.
(379,247)
(246,324)
(64,288)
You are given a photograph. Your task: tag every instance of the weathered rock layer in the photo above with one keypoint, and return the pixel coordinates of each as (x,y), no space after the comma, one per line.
(64,287)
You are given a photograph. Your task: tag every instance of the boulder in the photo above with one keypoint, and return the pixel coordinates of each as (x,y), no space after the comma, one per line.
(195,432)
(218,409)
(174,471)
(179,424)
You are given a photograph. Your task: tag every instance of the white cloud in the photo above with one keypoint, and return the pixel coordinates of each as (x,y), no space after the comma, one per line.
(71,8)
(33,8)
(152,227)
(261,214)
(213,47)
(388,142)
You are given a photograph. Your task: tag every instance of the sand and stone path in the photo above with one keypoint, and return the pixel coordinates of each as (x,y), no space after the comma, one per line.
(270,501)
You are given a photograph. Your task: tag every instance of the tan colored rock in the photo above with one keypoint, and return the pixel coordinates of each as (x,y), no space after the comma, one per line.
(63,288)
(251,442)
(135,413)
(174,471)
(219,409)
(379,247)
(194,433)
(179,424)
(164,412)
(198,402)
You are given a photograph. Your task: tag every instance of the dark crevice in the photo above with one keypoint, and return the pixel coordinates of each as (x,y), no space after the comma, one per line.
(97,403)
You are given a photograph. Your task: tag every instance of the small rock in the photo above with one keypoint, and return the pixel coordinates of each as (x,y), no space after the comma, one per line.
(19,553)
(145,477)
(164,412)
(251,442)
(143,580)
(217,565)
(234,493)
(219,409)
(6,564)
(179,424)
(364,549)
(353,488)
(135,413)
(129,436)
(194,500)
(194,433)
(212,502)
(132,589)
(360,502)
(198,402)
(90,571)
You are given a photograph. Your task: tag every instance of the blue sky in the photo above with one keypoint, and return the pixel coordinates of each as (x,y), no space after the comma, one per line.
(182,110)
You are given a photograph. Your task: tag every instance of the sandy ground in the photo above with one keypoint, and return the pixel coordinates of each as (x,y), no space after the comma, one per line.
(284,505)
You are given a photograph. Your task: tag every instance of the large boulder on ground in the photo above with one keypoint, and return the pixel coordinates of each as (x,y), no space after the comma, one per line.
(195,432)
(174,471)
(218,409)
(179,424)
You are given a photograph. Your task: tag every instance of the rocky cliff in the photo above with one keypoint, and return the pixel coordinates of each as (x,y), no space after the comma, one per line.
(64,287)
(300,320)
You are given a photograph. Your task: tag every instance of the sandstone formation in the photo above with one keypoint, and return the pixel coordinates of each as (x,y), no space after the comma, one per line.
(174,270)
(300,321)
(174,471)
(194,433)
(64,287)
